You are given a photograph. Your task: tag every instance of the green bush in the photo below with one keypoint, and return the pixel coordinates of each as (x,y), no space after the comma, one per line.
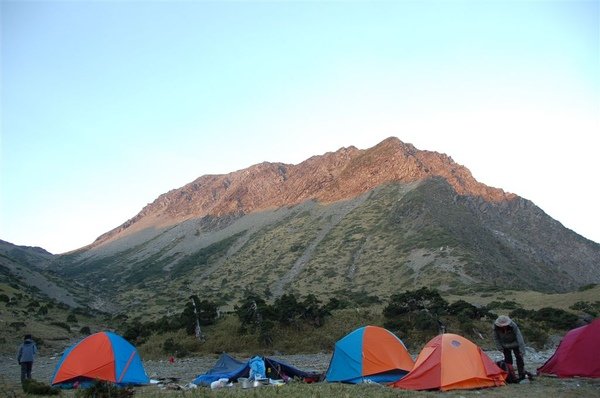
(585,306)
(410,301)
(466,310)
(61,325)
(336,304)
(17,325)
(136,333)
(507,305)
(425,322)
(171,347)
(85,330)
(556,318)
(587,287)
(102,389)
(34,387)
(535,334)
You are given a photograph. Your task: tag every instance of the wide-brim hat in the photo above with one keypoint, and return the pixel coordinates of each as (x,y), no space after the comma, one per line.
(502,321)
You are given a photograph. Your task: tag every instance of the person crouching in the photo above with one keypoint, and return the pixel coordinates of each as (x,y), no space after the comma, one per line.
(509,340)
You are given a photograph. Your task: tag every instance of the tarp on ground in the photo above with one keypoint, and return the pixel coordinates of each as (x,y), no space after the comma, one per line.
(228,367)
(102,356)
(450,362)
(577,355)
(369,354)
(278,369)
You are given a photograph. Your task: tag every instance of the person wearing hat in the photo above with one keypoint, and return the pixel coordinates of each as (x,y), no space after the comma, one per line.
(25,356)
(508,339)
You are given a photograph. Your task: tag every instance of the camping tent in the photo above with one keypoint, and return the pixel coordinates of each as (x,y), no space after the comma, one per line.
(278,369)
(100,356)
(369,353)
(577,354)
(449,362)
(227,367)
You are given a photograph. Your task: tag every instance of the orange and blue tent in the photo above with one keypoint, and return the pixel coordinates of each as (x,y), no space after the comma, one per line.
(102,356)
(369,353)
(451,362)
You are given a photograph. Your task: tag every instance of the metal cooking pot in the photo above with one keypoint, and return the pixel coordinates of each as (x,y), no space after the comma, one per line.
(245,382)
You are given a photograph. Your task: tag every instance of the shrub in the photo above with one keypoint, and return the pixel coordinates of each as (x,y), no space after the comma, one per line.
(507,305)
(85,330)
(535,335)
(465,322)
(587,287)
(556,318)
(103,389)
(336,304)
(398,327)
(364,299)
(521,313)
(34,387)
(206,313)
(585,306)
(171,347)
(4,298)
(17,325)
(72,318)
(33,304)
(251,311)
(136,333)
(410,301)
(61,325)
(424,321)
(312,310)
(466,310)
(287,309)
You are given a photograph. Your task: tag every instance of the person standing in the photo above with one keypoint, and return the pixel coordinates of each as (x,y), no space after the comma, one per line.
(509,340)
(25,356)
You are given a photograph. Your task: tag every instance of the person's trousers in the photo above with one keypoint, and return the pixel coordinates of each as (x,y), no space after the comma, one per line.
(519,357)
(26,370)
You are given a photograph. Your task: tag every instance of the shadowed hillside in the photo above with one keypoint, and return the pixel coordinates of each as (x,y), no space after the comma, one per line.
(347,223)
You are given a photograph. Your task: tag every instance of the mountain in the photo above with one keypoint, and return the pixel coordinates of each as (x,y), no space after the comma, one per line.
(351,223)
(24,268)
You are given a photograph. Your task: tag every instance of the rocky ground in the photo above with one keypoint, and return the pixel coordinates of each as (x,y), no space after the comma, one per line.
(186,369)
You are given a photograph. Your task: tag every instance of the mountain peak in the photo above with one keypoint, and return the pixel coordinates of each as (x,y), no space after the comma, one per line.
(333,176)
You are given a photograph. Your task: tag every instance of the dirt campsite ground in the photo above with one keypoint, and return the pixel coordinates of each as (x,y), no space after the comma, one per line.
(186,369)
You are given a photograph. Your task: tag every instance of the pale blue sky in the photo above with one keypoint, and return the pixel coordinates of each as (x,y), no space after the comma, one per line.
(106,105)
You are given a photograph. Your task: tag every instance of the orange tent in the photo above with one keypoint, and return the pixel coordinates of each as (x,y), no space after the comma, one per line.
(451,362)
(369,353)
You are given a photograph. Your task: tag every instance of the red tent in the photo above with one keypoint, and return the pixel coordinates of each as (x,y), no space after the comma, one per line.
(578,354)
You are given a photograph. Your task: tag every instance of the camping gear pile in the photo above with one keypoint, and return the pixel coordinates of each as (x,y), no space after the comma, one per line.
(255,372)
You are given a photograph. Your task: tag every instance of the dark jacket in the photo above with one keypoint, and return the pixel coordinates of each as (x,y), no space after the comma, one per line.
(509,337)
(27,351)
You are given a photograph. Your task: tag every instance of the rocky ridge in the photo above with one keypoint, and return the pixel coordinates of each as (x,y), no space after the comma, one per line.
(331,177)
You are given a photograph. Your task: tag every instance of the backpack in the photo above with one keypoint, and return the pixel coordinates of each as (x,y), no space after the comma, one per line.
(508,368)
